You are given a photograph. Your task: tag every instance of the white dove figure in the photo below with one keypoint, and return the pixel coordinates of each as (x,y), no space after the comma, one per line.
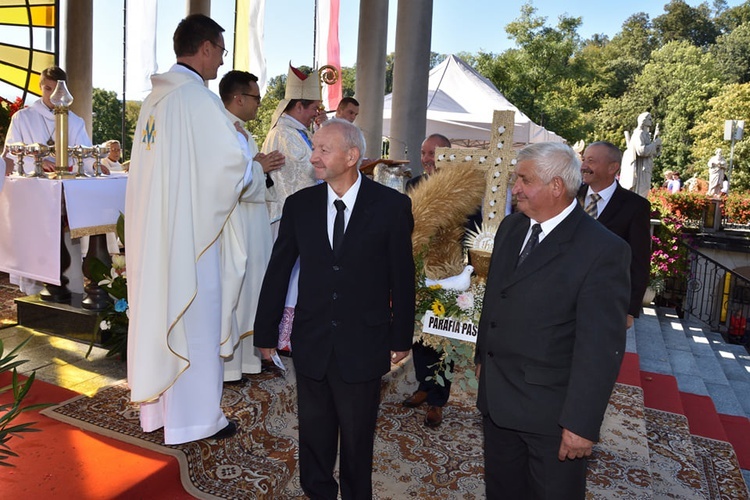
(460,282)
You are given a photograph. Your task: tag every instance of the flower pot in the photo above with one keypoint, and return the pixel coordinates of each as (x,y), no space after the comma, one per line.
(648,296)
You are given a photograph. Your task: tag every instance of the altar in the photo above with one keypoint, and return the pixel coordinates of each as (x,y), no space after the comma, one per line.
(31,211)
(30,215)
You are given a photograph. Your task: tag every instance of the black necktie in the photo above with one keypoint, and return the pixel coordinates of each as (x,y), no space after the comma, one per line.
(531,244)
(338,227)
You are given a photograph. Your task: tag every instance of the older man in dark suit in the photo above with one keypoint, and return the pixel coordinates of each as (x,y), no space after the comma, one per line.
(623,212)
(552,333)
(355,311)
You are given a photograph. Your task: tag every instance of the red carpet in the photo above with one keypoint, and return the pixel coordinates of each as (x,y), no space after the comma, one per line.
(63,462)
(738,430)
(702,417)
(630,372)
(660,392)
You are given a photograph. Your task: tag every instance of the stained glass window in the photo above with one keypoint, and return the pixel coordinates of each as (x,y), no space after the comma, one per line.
(28,44)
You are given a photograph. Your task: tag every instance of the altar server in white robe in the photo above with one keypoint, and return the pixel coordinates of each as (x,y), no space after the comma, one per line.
(36,124)
(187,172)
(250,226)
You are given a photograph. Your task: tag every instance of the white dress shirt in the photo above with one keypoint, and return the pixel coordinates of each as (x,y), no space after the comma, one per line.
(349,198)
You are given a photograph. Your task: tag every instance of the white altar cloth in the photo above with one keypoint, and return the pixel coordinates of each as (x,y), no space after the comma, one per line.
(30,212)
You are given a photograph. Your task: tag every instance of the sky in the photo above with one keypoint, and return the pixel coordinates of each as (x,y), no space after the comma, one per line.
(457,26)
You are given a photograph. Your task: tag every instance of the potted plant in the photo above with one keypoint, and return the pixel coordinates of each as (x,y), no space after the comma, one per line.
(10,411)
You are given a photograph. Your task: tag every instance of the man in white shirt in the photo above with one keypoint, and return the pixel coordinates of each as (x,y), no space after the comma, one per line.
(619,210)
(111,163)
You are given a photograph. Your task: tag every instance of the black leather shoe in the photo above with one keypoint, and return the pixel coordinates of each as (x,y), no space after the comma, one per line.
(415,399)
(227,432)
(434,416)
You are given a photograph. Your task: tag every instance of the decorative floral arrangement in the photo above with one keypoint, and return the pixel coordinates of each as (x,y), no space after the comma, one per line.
(114,320)
(669,256)
(7,110)
(737,208)
(685,206)
(457,356)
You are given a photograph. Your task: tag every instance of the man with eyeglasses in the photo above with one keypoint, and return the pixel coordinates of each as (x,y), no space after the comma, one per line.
(241,97)
(188,170)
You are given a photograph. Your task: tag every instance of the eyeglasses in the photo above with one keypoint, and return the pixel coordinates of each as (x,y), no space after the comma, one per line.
(256,97)
(222,48)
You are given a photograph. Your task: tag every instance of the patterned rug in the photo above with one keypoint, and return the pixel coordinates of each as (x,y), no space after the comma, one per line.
(8,293)
(412,461)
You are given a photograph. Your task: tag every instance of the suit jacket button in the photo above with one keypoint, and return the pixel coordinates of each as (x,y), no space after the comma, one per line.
(503,295)
(335,296)
(336,268)
(334,323)
(490,354)
(493,324)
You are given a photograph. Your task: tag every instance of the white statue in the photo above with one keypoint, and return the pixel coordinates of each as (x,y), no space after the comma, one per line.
(717,167)
(637,162)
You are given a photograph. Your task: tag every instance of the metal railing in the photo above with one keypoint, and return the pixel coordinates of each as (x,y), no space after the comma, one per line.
(711,293)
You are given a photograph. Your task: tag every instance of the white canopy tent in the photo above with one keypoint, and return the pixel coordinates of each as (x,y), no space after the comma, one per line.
(460,105)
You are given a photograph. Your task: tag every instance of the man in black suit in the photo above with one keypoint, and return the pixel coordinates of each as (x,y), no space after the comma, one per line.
(425,358)
(551,336)
(623,212)
(427,157)
(355,311)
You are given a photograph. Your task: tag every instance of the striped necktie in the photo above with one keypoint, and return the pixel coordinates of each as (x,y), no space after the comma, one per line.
(592,209)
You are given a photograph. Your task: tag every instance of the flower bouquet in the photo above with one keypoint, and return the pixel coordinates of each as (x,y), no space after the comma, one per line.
(454,308)
(113,321)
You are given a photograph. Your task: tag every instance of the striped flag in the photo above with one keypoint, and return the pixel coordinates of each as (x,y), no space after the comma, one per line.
(248,39)
(327,50)
(140,48)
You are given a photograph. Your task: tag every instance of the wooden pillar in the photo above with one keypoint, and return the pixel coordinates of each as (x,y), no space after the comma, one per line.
(370,85)
(410,77)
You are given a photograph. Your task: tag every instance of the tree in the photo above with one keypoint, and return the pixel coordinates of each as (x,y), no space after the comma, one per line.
(733,102)
(132,110)
(729,19)
(681,22)
(348,77)
(538,74)
(732,52)
(107,119)
(675,87)
(107,116)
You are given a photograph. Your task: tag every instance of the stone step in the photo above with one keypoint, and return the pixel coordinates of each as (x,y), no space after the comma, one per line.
(707,371)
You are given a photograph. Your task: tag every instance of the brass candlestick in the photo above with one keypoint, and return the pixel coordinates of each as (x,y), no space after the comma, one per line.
(62,100)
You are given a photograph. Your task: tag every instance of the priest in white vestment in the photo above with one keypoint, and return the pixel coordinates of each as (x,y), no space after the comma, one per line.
(250,226)
(36,124)
(187,172)
(290,135)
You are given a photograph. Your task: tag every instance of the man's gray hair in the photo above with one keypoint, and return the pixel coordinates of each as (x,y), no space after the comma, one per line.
(351,135)
(554,159)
